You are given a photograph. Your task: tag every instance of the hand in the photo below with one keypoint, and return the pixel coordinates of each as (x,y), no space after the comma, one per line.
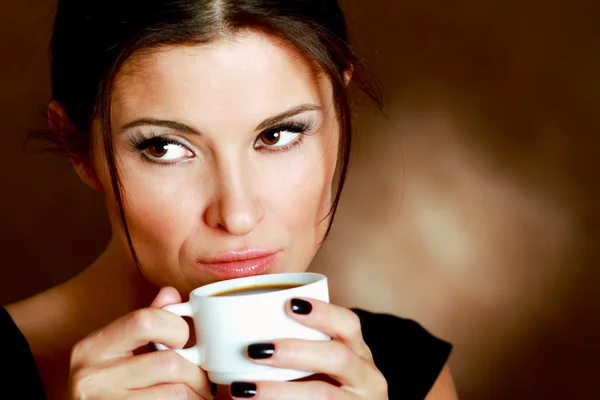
(103,365)
(346,360)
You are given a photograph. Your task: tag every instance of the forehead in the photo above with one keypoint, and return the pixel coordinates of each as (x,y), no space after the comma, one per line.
(250,72)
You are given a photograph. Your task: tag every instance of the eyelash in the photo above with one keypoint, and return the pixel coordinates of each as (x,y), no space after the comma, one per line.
(301,127)
(142,141)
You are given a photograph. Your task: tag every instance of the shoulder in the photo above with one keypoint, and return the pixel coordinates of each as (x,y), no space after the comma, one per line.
(20,374)
(40,318)
(10,333)
(407,355)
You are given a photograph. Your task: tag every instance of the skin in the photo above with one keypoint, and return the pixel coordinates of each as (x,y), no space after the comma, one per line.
(223,189)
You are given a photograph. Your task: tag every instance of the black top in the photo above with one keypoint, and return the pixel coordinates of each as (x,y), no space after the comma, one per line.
(407,355)
(20,377)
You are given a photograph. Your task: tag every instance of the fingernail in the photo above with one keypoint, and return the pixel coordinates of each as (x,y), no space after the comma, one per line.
(243,389)
(301,307)
(260,351)
(213,388)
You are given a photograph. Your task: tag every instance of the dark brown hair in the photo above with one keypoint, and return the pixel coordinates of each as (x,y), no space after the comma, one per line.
(92,39)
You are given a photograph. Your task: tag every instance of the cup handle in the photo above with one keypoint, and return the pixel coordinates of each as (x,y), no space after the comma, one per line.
(192,354)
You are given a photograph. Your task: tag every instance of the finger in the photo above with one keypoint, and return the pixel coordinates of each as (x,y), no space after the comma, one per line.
(166,296)
(338,322)
(153,369)
(175,391)
(331,358)
(288,391)
(130,332)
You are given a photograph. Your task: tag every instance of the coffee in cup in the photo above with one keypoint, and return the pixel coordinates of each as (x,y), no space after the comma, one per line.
(255,290)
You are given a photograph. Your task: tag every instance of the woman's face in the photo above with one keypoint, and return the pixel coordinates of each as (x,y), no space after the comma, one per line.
(227,153)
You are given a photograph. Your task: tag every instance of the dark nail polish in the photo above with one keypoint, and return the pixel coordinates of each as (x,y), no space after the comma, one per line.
(301,307)
(260,351)
(213,388)
(243,389)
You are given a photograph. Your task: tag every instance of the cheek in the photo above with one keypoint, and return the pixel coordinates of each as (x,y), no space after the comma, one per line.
(300,191)
(162,209)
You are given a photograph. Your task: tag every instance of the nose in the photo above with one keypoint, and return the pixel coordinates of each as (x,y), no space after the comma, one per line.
(235,207)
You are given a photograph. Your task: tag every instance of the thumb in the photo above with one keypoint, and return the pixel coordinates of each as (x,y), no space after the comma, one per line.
(165,297)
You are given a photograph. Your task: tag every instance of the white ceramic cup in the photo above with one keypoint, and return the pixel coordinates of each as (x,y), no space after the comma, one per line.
(226,325)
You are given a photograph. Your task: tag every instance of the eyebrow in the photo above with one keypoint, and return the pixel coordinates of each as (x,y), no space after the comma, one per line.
(181,127)
(178,126)
(287,114)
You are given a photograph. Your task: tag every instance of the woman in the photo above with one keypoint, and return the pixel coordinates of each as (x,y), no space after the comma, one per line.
(215,130)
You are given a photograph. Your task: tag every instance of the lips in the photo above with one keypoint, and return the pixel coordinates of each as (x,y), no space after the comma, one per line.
(237,264)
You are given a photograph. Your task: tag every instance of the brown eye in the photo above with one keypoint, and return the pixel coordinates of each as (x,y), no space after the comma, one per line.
(158,149)
(270,138)
(165,150)
(281,136)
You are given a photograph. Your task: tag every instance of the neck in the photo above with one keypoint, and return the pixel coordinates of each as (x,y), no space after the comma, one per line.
(115,282)
(108,289)
(55,320)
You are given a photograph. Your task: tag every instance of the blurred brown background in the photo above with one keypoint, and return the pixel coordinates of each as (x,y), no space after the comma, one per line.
(471,207)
